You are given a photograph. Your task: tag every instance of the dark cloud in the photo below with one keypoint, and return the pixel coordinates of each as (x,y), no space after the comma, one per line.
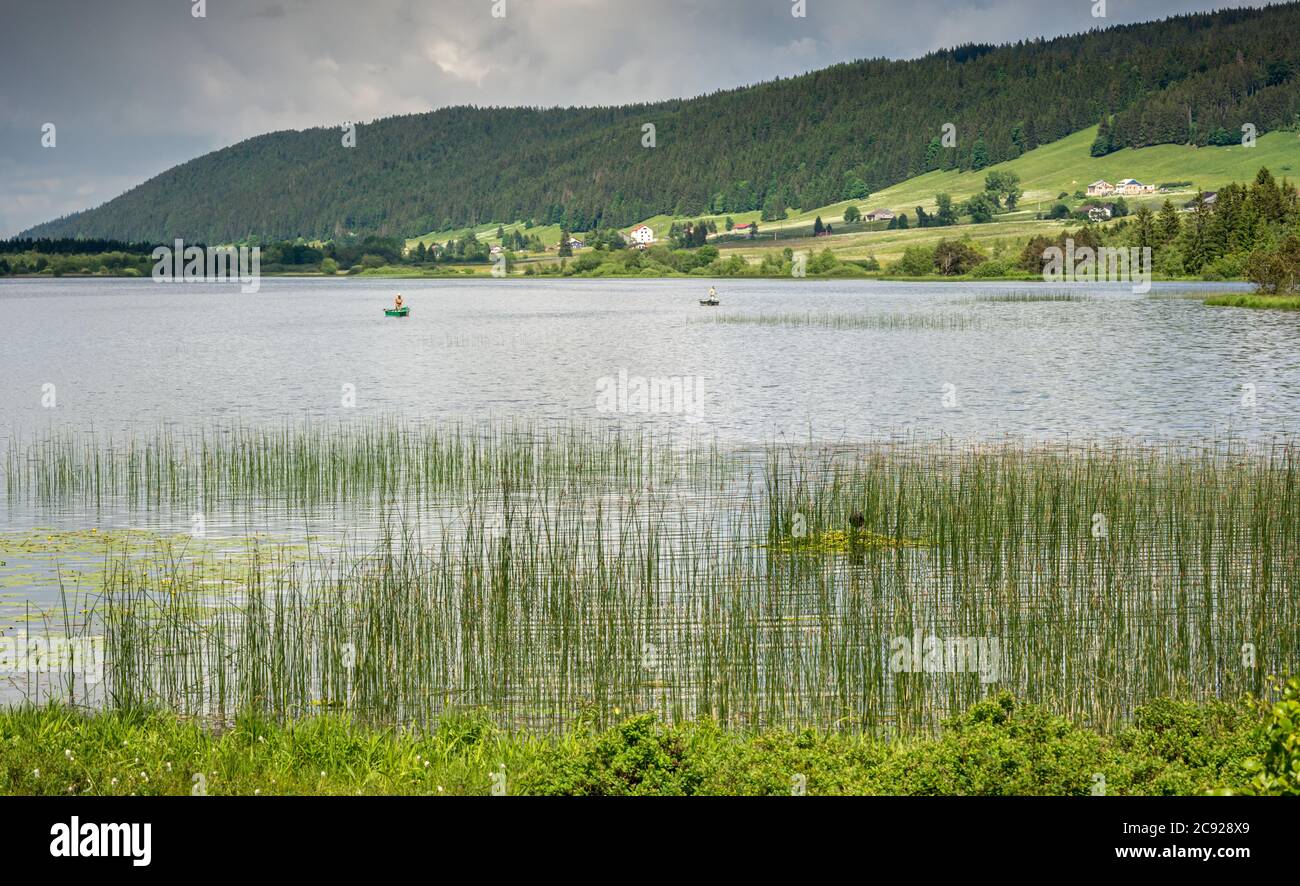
(136,86)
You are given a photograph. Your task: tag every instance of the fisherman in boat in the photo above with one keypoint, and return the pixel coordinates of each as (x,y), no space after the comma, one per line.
(397,303)
(713,294)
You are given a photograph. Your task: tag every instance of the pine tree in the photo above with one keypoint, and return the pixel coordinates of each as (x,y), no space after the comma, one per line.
(1168,225)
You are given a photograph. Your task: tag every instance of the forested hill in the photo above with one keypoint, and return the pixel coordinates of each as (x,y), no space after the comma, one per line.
(800,142)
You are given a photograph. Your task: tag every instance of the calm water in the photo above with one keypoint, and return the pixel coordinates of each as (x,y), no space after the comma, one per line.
(131,356)
(124,353)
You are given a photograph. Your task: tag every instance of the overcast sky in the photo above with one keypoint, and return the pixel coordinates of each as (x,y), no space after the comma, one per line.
(136,86)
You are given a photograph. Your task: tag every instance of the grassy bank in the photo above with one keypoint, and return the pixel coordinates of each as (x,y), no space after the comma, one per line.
(996,747)
(1252,300)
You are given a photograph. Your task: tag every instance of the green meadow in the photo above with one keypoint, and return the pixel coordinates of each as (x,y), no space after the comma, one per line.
(1064,166)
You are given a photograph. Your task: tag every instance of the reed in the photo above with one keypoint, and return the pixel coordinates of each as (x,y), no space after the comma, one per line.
(777,591)
(843,320)
(1031,297)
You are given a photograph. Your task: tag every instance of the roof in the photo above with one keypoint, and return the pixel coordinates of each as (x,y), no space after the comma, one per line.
(1130,181)
(641,228)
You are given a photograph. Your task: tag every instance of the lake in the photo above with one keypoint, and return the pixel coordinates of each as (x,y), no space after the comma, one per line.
(124,353)
(567,498)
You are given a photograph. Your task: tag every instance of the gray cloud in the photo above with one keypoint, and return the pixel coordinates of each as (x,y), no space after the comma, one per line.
(136,86)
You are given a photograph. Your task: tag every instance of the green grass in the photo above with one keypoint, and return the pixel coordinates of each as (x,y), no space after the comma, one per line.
(1067,165)
(997,747)
(1253,300)
(487,233)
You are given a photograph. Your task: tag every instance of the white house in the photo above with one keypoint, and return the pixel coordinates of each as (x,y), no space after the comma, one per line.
(1101,188)
(1131,187)
(880,215)
(642,235)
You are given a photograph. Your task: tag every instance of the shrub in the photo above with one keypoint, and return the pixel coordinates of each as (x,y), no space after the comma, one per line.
(994,267)
(1276,271)
(956,257)
(1277,770)
(917,261)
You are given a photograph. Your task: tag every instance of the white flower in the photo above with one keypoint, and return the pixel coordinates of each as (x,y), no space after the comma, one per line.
(113,782)
(36,772)
(67,753)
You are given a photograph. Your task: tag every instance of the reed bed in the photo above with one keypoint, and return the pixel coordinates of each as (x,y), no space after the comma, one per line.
(1030,297)
(942,322)
(1087,577)
(363,460)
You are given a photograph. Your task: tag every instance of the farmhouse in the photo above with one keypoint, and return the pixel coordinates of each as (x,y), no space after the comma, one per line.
(642,235)
(880,215)
(1101,188)
(1131,187)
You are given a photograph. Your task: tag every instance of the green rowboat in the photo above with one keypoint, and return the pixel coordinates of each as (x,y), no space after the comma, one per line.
(397,312)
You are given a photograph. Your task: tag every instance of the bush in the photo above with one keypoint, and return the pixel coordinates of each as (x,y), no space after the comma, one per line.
(955,257)
(994,267)
(588,261)
(1276,271)
(1277,770)
(917,261)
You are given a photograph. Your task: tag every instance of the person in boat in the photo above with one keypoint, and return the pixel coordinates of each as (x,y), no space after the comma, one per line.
(397,303)
(713,294)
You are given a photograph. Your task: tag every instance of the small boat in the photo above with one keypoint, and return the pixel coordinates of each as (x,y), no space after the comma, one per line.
(710,302)
(397,312)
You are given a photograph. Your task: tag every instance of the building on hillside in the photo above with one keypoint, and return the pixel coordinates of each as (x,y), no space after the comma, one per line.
(880,215)
(1210,198)
(741,228)
(1131,187)
(1101,188)
(1101,213)
(495,250)
(642,235)
(575,243)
